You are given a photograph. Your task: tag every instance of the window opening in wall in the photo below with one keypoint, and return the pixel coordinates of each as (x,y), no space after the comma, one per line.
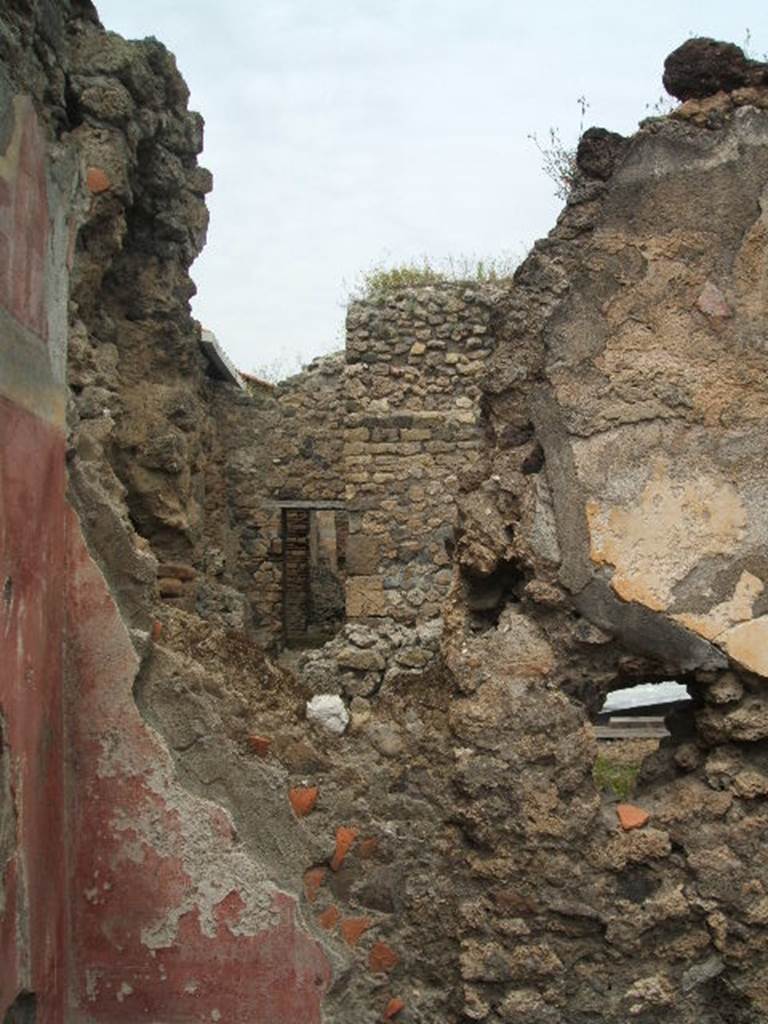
(314,571)
(630,727)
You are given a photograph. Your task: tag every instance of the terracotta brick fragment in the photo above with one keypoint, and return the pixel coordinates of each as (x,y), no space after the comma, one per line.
(353,927)
(368,848)
(328,918)
(157,630)
(345,836)
(382,958)
(313,879)
(631,816)
(96,179)
(303,799)
(394,1006)
(260,745)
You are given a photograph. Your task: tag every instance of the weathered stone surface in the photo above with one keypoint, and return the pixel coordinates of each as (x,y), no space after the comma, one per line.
(170,587)
(365,597)
(363,555)
(598,152)
(555,486)
(329,712)
(702,67)
(362,660)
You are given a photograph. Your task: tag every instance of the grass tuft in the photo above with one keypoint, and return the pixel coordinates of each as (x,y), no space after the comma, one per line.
(616,777)
(383,280)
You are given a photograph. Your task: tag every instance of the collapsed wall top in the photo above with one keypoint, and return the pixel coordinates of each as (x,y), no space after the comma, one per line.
(701,67)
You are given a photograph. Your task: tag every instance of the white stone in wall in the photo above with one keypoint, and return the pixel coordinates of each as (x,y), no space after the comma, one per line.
(329,711)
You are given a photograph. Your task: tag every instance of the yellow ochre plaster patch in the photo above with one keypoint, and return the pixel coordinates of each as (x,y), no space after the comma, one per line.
(722,616)
(657,541)
(747,643)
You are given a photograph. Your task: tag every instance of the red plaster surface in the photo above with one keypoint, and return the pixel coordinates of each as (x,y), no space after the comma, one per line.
(31,629)
(124,898)
(135,869)
(24,223)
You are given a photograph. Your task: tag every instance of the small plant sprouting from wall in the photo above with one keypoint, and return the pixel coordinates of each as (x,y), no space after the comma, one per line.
(558,161)
(286,364)
(408,275)
(383,280)
(661,107)
(617,778)
(748,47)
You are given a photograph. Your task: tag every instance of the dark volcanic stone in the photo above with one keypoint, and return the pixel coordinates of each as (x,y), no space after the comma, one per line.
(702,67)
(598,152)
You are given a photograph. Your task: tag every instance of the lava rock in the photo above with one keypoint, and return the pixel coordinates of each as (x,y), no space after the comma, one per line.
(702,67)
(598,152)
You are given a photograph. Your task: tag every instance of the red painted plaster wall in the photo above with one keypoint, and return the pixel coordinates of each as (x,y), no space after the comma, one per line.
(170,920)
(32,581)
(32,481)
(124,897)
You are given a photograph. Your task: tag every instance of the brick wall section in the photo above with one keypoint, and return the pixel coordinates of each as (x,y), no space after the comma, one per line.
(296,578)
(414,360)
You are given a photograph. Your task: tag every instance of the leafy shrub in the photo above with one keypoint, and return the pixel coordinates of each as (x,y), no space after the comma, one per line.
(558,161)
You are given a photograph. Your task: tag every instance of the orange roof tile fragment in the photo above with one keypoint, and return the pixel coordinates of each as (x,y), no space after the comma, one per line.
(394,1006)
(260,745)
(303,799)
(353,927)
(382,958)
(96,180)
(313,879)
(328,918)
(344,838)
(631,816)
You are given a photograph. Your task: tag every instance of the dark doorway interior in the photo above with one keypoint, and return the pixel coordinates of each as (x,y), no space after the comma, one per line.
(314,545)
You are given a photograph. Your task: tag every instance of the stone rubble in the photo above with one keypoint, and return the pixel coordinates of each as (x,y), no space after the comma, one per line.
(329,712)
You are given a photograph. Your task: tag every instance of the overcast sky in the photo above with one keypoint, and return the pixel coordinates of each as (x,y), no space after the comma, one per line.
(344,134)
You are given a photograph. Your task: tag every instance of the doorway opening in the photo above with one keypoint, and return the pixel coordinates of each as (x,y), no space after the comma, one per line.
(314,571)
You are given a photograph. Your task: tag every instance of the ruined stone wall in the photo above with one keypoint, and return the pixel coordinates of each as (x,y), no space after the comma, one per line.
(308,450)
(389,428)
(430,844)
(633,357)
(275,443)
(612,535)
(414,358)
(125,892)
